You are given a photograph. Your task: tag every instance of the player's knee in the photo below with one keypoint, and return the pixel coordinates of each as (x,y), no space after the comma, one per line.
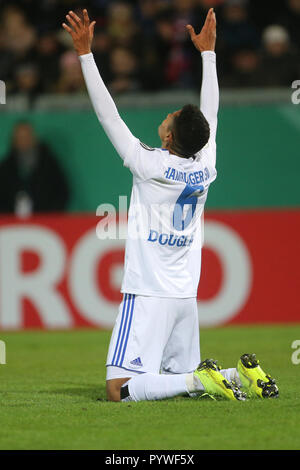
(113,396)
(113,389)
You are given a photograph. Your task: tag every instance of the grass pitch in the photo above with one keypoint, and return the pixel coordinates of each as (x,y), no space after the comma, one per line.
(52,396)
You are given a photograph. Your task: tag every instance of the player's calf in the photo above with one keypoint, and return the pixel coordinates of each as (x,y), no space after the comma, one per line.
(149,386)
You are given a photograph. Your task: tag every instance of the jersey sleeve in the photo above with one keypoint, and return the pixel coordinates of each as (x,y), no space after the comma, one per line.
(146,162)
(117,131)
(139,158)
(209,100)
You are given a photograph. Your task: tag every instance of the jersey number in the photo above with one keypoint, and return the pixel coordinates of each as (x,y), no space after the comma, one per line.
(189,196)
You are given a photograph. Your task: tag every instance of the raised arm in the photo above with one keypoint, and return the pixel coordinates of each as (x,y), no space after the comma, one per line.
(205,42)
(104,106)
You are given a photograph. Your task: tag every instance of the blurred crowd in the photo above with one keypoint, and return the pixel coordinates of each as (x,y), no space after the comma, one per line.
(143,44)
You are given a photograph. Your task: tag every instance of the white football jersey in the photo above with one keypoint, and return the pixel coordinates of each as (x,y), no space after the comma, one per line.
(163,247)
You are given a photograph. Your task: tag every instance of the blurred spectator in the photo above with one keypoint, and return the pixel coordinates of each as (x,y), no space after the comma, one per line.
(16,46)
(179,62)
(121,26)
(124,71)
(6,62)
(280,62)
(101,49)
(291,21)
(162,43)
(154,47)
(30,178)
(19,36)
(245,67)
(71,79)
(27,80)
(236,30)
(48,49)
(146,13)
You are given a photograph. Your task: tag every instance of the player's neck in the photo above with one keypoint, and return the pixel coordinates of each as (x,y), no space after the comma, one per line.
(172,149)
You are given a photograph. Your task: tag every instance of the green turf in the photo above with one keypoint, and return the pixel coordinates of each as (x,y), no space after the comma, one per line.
(52,396)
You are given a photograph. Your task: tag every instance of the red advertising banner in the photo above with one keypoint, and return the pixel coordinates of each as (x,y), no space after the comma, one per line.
(55,273)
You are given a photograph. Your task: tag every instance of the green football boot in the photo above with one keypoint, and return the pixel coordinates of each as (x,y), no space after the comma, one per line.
(214,383)
(255,381)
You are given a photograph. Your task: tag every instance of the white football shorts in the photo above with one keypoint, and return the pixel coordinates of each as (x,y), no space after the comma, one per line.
(154,334)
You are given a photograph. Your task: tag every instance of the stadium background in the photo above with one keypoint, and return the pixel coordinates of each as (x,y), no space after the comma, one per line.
(54,272)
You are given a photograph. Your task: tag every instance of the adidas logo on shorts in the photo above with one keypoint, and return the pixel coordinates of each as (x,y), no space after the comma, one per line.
(137,362)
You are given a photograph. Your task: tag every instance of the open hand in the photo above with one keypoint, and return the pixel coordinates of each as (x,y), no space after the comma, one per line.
(82,32)
(206,39)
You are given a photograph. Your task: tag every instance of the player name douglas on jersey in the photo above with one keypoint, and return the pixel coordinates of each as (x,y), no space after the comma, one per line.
(170,239)
(195,177)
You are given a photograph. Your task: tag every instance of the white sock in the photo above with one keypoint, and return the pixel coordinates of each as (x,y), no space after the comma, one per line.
(231,375)
(160,386)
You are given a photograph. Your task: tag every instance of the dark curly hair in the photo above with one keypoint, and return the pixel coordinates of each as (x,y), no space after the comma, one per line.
(190,131)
